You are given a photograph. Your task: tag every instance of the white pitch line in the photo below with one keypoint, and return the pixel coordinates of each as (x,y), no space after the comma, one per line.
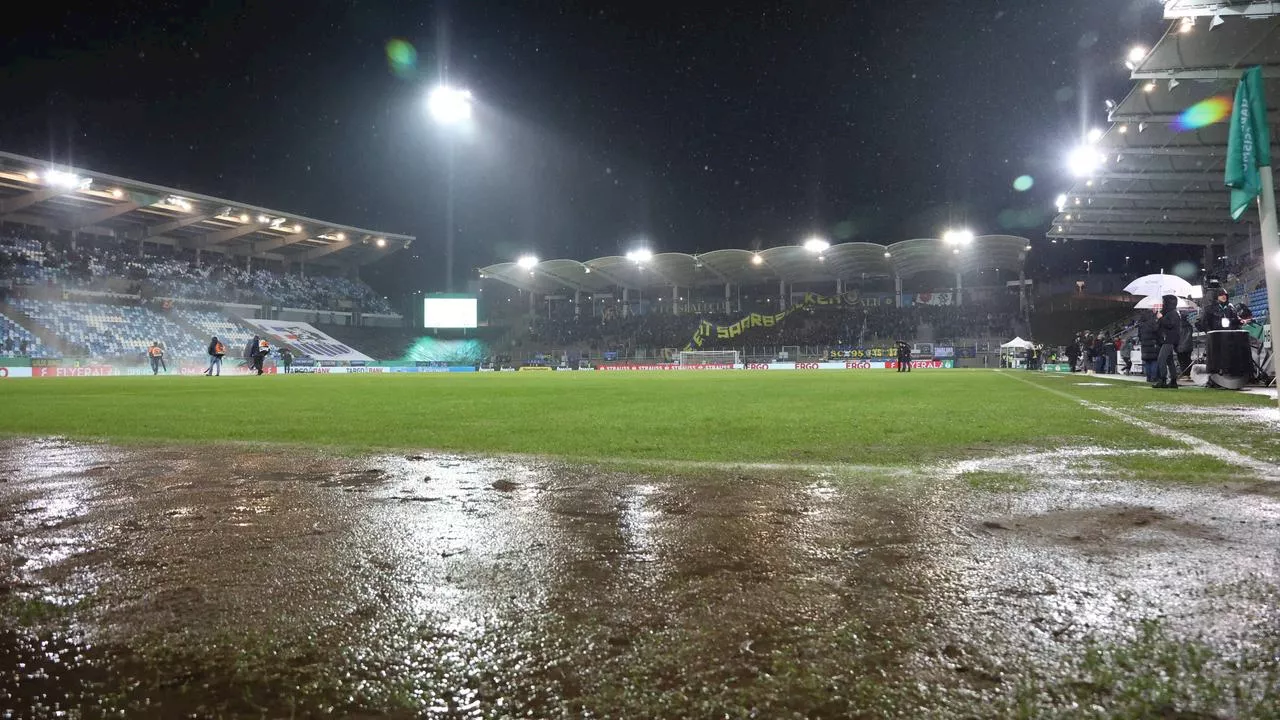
(1263,468)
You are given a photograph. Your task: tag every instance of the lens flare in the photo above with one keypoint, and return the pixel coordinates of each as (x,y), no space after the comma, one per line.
(1206,112)
(402,58)
(1023,183)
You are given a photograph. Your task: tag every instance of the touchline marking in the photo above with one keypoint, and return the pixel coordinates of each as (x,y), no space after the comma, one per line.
(1265,469)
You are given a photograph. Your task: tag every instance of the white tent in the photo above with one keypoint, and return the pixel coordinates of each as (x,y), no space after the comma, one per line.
(1016,344)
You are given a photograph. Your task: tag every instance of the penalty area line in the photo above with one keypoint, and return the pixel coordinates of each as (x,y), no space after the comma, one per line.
(1265,469)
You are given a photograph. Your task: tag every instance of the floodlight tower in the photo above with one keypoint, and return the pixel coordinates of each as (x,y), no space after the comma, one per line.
(450,107)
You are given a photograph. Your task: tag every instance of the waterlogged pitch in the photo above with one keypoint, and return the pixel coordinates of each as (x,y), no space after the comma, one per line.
(863,544)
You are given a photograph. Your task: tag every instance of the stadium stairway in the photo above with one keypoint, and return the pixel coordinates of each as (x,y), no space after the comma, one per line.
(46,336)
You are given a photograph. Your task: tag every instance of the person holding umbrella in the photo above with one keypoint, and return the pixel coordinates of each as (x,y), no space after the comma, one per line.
(1169,327)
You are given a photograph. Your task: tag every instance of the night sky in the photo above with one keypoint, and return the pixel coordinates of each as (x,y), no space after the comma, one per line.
(686,125)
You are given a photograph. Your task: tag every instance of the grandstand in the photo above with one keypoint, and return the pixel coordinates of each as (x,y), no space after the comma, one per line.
(98,266)
(1158,180)
(816,298)
(16,341)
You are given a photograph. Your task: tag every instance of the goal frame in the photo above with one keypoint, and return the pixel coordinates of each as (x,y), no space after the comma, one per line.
(695,358)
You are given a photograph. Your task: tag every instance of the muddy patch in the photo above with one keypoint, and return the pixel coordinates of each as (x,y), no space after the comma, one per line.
(302,584)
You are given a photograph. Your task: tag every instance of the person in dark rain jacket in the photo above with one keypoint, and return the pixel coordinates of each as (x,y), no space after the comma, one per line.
(1149,343)
(1169,325)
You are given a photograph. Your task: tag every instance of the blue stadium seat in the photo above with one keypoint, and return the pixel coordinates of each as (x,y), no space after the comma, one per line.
(110,330)
(13,335)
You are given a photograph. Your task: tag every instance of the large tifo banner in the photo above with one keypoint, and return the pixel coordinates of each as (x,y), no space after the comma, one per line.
(708,329)
(306,339)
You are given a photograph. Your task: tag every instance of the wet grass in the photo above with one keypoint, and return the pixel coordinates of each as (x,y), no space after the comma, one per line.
(29,612)
(1155,675)
(996,482)
(1187,467)
(796,418)
(1206,414)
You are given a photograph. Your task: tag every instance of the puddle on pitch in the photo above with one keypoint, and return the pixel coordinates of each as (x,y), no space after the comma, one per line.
(302,583)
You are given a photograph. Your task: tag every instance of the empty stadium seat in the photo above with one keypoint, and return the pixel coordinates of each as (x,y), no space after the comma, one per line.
(111,330)
(12,337)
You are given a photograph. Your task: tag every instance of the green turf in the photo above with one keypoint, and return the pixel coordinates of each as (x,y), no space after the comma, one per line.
(798,417)
(996,482)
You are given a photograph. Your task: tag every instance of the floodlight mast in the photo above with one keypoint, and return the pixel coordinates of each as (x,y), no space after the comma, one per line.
(449,107)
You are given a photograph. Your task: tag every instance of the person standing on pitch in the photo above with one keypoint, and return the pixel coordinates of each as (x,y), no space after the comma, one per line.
(157,358)
(1169,325)
(250,351)
(286,359)
(264,349)
(216,351)
(904,357)
(1149,345)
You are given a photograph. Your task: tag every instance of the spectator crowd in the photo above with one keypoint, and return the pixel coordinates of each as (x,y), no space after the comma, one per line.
(110,265)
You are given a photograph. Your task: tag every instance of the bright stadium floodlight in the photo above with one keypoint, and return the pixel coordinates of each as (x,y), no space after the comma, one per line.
(756,259)
(887,254)
(527,261)
(117,193)
(957,237)
(1084,160)
(816,244)
(449,105)
(380,242)
(1137,54)
(64,180)
(341,236)
(297,228)
(1095,135)
(642,255)
(244,217)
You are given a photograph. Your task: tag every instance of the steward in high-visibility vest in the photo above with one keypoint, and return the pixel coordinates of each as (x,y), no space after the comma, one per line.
(157,358)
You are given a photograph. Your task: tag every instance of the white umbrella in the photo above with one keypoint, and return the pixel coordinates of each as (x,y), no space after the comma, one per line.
(1159,284)
(1155,302)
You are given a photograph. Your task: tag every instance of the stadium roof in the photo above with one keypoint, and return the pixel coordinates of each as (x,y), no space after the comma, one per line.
(793,263)
(1160,179)
(38,192)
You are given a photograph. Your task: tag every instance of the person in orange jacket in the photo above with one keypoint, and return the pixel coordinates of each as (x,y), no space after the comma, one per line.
(156,353)
(216,351)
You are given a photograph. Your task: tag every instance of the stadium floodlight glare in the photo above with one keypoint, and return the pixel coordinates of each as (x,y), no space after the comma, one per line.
(244,217)
(1084,160)
(117,193)
(264,219)
(756,259)
(957,237)
(297,228)
(642,255)
(887,254)
(816,244)
(449,105)
(33,176)
(527,261)
(342,236)
(64,180)
(1135,57)
(380,242)
(1095,135)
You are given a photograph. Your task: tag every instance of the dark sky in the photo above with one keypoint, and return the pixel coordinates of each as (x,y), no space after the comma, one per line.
(694,125)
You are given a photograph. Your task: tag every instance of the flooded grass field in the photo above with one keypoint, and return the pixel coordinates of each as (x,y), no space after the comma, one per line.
(235,580)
